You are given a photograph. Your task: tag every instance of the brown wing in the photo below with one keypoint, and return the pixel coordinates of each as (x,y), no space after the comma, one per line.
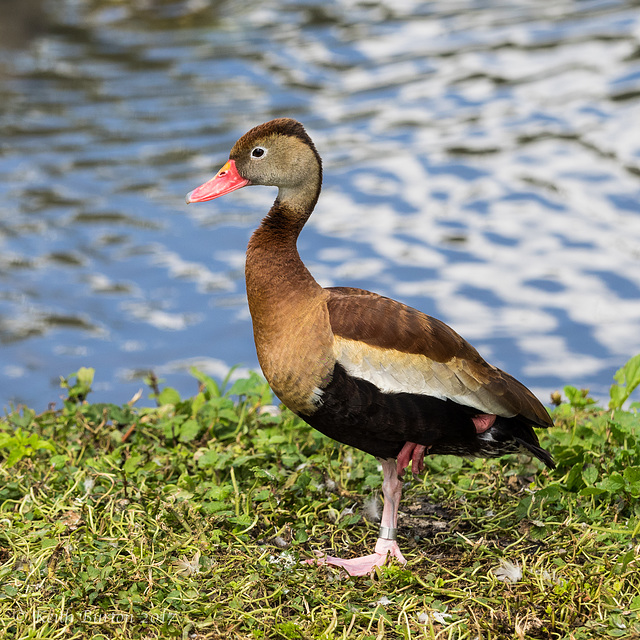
(400,349)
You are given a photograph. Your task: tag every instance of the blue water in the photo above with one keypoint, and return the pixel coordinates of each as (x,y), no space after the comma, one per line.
(482,163)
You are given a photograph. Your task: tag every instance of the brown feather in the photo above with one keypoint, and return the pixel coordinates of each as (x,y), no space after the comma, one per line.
(385,325)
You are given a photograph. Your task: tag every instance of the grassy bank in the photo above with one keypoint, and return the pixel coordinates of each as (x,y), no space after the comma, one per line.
(188,521)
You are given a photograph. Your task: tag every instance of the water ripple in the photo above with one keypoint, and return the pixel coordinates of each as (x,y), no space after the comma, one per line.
(482,163)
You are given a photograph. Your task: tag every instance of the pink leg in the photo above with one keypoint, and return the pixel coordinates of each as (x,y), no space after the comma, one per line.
(414,453)
(392,491)
(386,546)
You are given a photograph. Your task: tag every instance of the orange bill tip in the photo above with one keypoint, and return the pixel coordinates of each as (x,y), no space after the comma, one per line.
(225,181)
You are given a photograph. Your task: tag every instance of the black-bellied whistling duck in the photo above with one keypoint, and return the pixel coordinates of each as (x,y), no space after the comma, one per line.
(363,369)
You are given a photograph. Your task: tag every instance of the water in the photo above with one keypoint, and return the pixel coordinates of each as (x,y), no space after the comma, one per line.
(482,163)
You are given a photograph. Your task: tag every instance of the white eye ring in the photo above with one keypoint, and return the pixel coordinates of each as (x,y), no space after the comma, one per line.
(258,152)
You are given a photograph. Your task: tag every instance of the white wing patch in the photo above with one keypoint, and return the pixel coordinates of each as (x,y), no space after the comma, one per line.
(396,372)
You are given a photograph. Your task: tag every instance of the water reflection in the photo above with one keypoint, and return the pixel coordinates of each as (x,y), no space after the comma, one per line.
(22,22)
(482,163)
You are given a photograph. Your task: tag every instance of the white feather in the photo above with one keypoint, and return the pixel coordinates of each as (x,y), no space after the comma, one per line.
(396,372)
(508,571)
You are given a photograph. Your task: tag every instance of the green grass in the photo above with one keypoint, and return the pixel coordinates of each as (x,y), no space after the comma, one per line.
(188,521)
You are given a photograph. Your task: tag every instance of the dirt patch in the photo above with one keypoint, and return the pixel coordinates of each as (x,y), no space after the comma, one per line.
(424,519)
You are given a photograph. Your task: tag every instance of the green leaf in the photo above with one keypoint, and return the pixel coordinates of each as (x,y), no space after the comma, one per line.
(24,421)
(618,395)
(259,472)
(348,520)
(632,478)
(243,387)
(197,403)
(47,543)
(58,462)
(132,463)
(578,398)
(551,493)
(36,442)
(217,507)
(79,389)
(614,483)
(208,458)
(85,376)
(15,455)
(228,414)
(590,474)
(189,430)
(630,372)
(207,382)
(574,477)
(121,415)
(592,491)
(242,520)
(218,492)
(169,396)
(628,378)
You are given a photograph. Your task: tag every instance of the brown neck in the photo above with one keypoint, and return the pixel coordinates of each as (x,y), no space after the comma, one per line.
(274,270)
(288,308)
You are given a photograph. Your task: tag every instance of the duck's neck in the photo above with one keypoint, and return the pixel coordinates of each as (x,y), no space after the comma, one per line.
(274,270)
(288,308)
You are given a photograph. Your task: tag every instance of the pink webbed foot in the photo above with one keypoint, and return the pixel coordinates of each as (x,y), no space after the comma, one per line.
(366,564)
(386,546)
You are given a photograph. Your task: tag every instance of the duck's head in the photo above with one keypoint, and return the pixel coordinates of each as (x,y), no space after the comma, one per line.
(277,153)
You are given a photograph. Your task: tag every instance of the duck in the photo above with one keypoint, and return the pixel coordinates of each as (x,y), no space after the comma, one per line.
(365,370)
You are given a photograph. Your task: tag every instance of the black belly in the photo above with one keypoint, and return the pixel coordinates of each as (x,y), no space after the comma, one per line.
(355,412)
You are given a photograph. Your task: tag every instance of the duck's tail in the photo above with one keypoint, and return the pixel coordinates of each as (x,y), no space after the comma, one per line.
(509,435)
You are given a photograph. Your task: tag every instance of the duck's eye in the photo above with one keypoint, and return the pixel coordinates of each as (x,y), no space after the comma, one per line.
(258,152)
